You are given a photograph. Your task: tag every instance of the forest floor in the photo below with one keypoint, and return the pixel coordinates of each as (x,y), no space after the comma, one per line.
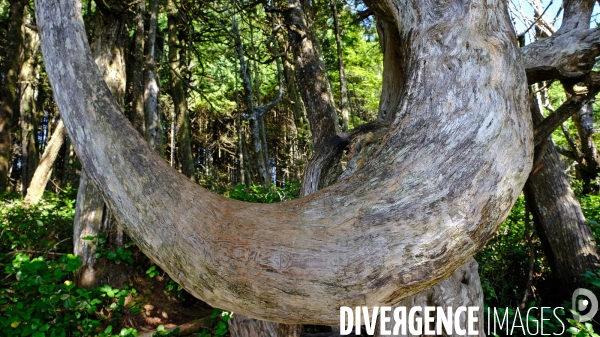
(157,304)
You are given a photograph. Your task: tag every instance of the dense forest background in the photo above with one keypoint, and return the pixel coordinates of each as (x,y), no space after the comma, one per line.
(212,87)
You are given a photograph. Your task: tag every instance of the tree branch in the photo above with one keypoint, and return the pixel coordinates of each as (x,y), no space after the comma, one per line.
(566,56)
(544,129)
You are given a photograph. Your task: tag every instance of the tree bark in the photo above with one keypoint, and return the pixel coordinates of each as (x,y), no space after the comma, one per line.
(568,242)
(589,167)
(565,56)
(177,59)
(462,288)
(27,109)
(154,133)
(389,39)
(311,75)
(343,83)
(138,117)
(406,219)
(44,169)
(92,217)
(9,87)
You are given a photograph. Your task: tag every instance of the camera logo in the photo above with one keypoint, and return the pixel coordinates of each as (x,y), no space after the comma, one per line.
(580,305)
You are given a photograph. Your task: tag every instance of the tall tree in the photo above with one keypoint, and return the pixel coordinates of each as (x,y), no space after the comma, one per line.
(343,83)
(256,111)
(154,132)
(178,39)
(9,86)
(27,108)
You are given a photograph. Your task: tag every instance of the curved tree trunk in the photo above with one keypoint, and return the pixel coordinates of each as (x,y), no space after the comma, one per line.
(451,166)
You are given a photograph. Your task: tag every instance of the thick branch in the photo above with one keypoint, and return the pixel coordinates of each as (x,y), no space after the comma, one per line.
(566,56)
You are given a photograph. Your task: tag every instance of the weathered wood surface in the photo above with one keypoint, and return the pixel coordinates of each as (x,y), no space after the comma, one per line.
(436,189)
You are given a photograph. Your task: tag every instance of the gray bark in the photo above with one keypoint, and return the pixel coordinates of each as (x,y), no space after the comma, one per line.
(154,133)
(92,217)
(406,219)
(565,56)
(389,38)
(462,288)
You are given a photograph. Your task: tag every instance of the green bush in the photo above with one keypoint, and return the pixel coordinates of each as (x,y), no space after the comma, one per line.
(37,294)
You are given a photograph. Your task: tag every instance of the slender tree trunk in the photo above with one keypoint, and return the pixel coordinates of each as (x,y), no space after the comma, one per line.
(138,98)
(154,132)
(256,112)
(28,112)
(177,62)
(343,83)
(589,167)
(44,169)
(9,86)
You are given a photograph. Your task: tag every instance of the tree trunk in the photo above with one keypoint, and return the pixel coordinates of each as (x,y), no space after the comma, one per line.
(28,112)
(9,87)
(568,242)
(44,169)
(311,75)
(462,288)
(92,217)
(138,117)
(589,167)
(406,219)
(154,133)
(343,84)
(256,111)
(177,59)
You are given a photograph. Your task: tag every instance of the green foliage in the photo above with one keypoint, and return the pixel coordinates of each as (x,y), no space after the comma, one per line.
(260,194)
(220,328)
(162,331)
(37,293)
(115,255)
(508,254)
(38,298)
(362,57)
(46,226)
